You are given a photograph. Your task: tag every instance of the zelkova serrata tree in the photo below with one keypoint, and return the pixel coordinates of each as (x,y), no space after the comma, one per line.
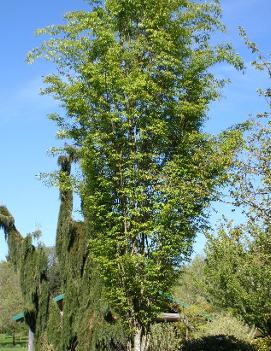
(134,80)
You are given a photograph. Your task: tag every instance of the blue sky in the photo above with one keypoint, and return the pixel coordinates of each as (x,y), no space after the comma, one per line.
(26,134)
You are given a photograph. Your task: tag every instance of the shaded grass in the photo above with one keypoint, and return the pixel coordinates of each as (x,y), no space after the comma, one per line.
(6,343)
(15,348)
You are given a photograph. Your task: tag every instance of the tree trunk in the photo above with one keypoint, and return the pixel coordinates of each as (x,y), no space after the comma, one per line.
(137,339)
(13,338)
(141,340)
(145,339)
(31,340)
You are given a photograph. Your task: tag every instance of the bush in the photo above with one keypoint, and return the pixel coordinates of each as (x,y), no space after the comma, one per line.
(217,343)
(262,344)
(165,337)
(226,324)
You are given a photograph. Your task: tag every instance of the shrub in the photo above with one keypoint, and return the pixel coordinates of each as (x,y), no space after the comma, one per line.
(217,343)
(226,324)
(165,337)
(262,344)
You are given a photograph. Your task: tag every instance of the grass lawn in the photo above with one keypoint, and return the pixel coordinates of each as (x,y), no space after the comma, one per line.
(6,343)
(12,348)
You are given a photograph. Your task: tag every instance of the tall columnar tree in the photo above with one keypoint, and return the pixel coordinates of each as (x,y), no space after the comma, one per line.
(31,262)
(86,323)
(134,80)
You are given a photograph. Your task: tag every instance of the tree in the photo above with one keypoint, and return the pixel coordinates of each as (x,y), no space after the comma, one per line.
(54,273)
(238,258)
(31,262)
(134,81)
(11,301)
(86,321)
(238,274)
(190,289)
(192,296)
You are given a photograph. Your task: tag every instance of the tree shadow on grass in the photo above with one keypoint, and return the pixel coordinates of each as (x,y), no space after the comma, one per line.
(217,343)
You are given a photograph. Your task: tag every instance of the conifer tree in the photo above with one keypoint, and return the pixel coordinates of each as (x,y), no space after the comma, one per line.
(86,323)
(134,80)
(31,262)
(10,299)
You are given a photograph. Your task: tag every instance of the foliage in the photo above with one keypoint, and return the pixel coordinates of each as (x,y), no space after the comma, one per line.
(226,324)
(134,80)
(238,273)
(11,300)
(190,288)
(68,269)
(54,272)
(31,263)
(11,235)
(191,294)
(238,259)
(85,310)
(215,343)
(251,174)
(165,337)
(261,63)
(262,344)
(205,318)
(250,177)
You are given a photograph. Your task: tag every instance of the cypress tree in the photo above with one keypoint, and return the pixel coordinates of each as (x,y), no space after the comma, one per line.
(31,262)
(86,323)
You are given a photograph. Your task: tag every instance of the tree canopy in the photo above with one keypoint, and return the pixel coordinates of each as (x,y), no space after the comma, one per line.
(135,83)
